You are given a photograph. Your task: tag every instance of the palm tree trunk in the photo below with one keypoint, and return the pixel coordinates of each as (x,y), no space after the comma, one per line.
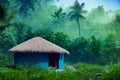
(79,28)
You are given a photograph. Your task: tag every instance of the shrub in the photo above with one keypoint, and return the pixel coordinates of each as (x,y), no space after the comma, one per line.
(3,59)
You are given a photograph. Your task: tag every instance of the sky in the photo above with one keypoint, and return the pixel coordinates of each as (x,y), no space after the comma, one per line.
(90,4)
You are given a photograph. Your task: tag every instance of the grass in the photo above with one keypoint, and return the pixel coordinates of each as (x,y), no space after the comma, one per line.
(83,72)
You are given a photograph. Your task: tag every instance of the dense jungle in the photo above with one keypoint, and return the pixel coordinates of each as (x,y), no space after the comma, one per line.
(91,36)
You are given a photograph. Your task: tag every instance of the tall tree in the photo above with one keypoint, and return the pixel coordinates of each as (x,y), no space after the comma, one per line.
(6,16)
(76,13)
(58,17)
(26,5)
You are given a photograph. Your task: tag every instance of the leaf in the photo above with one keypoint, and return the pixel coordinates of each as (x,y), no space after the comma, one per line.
(63,15)
(82,17)
(70,13)
(53,15)
(82,5)
(59,11)
(2,12)
(11,16)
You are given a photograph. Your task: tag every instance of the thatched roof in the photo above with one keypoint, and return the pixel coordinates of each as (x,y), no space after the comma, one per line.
(38,44)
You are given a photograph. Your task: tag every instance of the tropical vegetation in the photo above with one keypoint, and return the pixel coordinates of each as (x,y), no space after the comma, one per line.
(94,54)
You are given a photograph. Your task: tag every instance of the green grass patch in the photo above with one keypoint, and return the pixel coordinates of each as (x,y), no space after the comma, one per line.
(83,72)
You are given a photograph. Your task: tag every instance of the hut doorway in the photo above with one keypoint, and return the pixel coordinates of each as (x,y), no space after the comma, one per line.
(54,60)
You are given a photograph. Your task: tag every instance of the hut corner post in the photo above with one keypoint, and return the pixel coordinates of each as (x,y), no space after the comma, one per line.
(61,61)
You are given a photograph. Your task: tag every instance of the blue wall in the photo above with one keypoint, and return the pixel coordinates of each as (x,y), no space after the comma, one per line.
(31,59)
(36,59)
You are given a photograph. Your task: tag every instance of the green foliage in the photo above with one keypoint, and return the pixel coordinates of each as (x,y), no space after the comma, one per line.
(62,40)
(94,46)
(25,6)
(118,17)
(94,51)
(3,59)
(7,38)
(110,41)
(4,1)
(59,17)
(23,32)
(99,14)
(90,71)
(79,48)
(87,50)
(102,48)
(58,38)
(83,72)
(6,16)
(112,72)
(11,74)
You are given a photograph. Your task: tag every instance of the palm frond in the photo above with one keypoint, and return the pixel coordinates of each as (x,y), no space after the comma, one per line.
(59,17)
(82,5)
(56,14)
(59,11)
(77,9)
(70,13)
(73,17)
(81,17)
(53,15)
(62,15)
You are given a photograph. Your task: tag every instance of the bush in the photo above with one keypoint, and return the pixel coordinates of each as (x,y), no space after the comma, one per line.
(3,59)
(83,72)
(112,72)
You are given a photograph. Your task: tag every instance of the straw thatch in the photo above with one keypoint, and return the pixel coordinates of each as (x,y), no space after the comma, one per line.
(38,44)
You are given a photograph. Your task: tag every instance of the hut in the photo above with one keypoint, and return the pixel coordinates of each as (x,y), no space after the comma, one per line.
(39,52)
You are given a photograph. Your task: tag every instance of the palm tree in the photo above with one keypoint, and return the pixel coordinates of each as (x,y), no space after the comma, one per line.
(76,13)
(59,17)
